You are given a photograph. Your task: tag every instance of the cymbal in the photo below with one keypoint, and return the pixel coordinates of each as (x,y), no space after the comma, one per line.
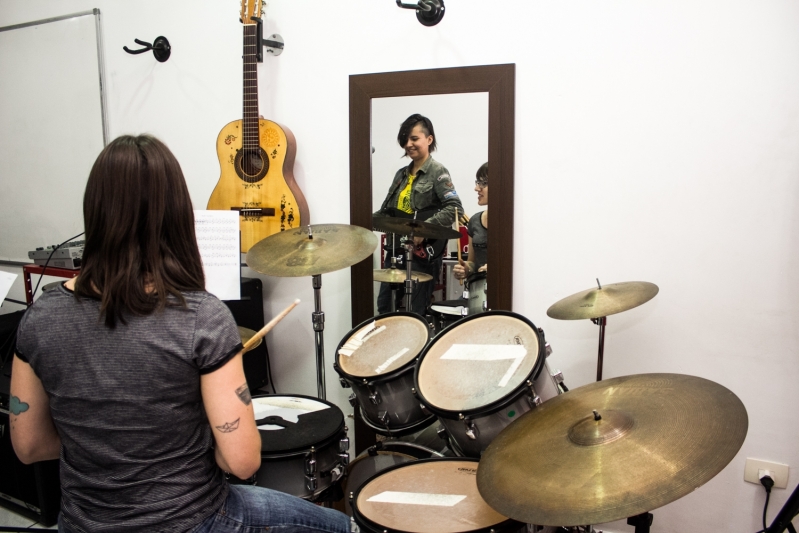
(419,228)
(292,253)
(660,437)
(395,275)
(247,334)
(609,300)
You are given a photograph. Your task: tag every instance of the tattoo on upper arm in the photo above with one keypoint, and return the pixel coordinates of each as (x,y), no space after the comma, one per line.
(229,427)
(243,393)
(16,406)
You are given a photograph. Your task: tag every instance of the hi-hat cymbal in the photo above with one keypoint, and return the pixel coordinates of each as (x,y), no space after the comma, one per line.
(660,437)
(419,228)
(609,300)
(295,253)
(247,334)
(395,275)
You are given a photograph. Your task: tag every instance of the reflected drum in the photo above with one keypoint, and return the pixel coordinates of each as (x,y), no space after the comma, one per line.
(447,312)
(478,289)
(377,359)
(481,374)
(304,445)
(427,496)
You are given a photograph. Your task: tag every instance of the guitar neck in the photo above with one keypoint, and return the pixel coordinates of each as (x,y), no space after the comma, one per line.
(250,138)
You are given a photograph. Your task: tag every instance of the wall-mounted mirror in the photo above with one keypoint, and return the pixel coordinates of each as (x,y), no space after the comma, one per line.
(497,82)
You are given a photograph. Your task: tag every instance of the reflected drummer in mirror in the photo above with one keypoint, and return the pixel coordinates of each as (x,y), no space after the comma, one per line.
(421,190)
(478,231)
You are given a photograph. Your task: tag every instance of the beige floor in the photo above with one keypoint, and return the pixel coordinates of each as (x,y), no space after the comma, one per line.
(11,519)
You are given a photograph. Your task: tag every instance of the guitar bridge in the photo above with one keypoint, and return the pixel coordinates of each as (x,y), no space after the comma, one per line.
(254,211)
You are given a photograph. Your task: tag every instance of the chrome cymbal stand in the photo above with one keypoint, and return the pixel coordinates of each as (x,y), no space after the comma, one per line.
(409,281)
(601,322)
(319,327)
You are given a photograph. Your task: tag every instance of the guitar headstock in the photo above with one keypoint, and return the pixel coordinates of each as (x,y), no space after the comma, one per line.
(250,9)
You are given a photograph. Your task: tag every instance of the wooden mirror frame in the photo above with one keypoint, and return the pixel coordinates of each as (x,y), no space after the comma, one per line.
(499,81)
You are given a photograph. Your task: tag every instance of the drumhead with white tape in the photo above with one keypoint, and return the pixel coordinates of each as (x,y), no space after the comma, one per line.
(474,364)
(427,496)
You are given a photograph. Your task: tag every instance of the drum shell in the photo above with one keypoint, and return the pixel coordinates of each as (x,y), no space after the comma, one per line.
(369,526)
(490,424)
(478,292)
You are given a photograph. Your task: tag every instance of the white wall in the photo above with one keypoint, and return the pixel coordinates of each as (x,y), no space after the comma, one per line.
(655,141)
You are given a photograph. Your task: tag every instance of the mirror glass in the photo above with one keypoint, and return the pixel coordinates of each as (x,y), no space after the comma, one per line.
(461,128)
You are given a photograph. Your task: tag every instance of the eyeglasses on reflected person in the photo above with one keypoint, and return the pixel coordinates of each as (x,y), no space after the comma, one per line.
(481,183)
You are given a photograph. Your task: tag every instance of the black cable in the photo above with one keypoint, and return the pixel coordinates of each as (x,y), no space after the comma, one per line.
(44,268)
(767,483)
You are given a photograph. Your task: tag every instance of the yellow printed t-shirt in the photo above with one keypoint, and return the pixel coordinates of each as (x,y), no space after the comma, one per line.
(404,202)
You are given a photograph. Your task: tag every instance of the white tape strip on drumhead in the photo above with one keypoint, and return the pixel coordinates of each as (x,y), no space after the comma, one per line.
(289,409)
(357,340)
(489,352)
(379,370)
(418,498)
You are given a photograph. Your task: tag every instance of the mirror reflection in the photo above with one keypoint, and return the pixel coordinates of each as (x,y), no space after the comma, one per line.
(426,154)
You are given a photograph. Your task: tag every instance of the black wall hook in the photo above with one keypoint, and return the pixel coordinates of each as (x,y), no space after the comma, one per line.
(428,12)
(161,49)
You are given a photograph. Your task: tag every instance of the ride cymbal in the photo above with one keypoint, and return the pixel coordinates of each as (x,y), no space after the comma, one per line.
(395,275)
(607,300)
(298,252)
(658,438)
(408,226)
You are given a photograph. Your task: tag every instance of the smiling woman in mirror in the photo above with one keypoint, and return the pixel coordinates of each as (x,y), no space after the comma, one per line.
(478,231)
(421,190)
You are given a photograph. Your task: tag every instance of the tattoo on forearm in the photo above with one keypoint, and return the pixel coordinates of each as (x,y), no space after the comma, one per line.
(243,393)
(16,406)
(229,427)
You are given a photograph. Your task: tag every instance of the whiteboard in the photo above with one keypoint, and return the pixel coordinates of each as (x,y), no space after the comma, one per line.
(51,128)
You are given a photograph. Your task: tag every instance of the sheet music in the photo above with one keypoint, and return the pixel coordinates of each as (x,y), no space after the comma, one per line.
(6,280)
(218,239)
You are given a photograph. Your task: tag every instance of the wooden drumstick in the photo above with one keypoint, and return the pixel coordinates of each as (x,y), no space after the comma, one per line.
(458,229)
(250,344)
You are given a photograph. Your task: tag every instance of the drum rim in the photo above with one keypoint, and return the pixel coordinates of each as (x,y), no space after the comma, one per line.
(361,519)
(401,431)
(389,375)
(498,404)
(290,452)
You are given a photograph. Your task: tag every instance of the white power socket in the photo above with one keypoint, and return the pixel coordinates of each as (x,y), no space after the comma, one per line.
(779,472)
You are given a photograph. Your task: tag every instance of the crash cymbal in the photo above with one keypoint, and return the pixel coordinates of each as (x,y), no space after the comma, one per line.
(295,253)
(395,275)
(247,334)
(406,226)
(658,438)
(608,300)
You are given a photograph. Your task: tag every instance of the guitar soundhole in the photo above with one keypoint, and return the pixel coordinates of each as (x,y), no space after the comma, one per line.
(251,165)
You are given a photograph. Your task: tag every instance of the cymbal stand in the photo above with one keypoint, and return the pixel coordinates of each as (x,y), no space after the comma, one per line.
(409,281)
(641,522)
(601,322)
(319,327)
(394,286)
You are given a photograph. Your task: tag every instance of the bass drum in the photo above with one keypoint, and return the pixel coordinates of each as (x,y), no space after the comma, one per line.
(481,374)
(304,445)
(428,496)
(377,458)
(377,359)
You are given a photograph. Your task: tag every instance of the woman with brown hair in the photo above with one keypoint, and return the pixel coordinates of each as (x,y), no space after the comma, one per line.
(132,374)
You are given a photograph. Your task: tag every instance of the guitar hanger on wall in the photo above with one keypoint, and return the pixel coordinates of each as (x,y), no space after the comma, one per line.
(274,45)
(161,48)
(428,12)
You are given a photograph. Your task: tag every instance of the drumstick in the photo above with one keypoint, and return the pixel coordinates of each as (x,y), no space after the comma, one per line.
(250,344)
(458,229)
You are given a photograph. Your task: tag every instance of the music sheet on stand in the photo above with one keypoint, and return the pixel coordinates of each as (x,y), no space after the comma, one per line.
(218,239)
(6,280)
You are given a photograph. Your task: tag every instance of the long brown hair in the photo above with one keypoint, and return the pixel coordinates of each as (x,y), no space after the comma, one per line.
(140,242)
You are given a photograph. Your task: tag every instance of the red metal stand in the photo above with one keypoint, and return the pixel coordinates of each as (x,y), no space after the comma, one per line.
(51,271)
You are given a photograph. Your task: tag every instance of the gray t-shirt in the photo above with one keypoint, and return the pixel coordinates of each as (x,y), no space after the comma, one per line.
(136,444)
(479,234)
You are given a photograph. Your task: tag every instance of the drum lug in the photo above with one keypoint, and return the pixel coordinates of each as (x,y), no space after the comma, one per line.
(344,383)
(345,458)
(336,473)
(558,377)
(471,430)
(344,444)
(442,433)
(533,398)
(311,483)
(547,350)
(310,471)
(374,396)
(413,391)
(353,400)
(424,409)
(383,417)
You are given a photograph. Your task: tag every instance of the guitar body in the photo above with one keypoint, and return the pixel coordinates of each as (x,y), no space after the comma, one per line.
(263,190)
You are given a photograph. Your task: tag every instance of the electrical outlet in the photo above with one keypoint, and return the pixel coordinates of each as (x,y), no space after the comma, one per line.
(779,472)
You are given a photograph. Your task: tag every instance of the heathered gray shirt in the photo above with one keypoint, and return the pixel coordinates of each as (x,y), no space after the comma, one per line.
(136,445)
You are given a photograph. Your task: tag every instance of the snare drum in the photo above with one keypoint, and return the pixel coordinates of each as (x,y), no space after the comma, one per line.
(427,496)
(478,288)
(304,444)
(377,458)
(447,312)
(377,359)
(481,374)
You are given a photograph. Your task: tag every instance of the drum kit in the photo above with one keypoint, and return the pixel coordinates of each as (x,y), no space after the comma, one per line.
(518,447)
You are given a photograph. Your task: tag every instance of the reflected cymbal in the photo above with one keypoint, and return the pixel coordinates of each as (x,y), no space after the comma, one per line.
(247,334)
(292,253)
(660,436)
(406,226)
(609,300)
(395,275)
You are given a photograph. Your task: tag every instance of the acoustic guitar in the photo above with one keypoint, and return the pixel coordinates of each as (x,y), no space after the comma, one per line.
(256,157)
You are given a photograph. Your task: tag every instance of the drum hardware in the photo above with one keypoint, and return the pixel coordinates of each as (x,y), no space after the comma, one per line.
(674,432)
(533,398)
(310,471)
(471,429)
(597,304)
(312,251)
(353,399)
(442,433)
(344,383)
(382,416)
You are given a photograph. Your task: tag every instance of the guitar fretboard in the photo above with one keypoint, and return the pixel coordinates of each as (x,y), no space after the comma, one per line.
(250,139)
